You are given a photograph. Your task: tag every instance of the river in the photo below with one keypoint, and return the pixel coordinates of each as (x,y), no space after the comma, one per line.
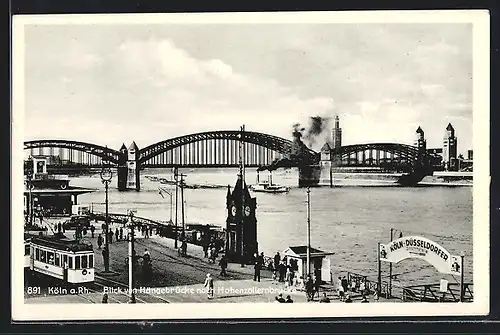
(348,221)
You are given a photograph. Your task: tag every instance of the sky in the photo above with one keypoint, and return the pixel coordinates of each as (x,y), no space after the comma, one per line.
(113,84)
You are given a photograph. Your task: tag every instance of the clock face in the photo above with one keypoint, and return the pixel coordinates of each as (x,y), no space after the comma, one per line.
(247,211)
(233,210)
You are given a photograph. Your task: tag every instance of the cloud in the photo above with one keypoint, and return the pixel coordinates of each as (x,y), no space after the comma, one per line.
(383,80)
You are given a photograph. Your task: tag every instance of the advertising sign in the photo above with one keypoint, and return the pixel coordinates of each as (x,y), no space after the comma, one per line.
(421,248)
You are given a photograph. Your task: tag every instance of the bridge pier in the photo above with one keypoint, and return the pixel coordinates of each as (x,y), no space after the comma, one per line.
(122,169)
(133,181)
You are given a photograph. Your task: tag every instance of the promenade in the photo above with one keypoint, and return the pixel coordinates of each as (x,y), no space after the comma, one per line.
(178,279)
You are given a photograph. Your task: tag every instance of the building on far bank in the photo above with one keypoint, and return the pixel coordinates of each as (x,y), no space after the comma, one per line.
(336,134)
(450,149)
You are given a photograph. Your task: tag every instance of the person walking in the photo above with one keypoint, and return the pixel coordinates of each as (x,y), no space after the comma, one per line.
(345,284)
(92,230)
(309,288)
(223,266)
(105,254)
(110,236)
(105,298)
(257,267)
(121,233)
(209,284)
(99,241)
(288,299)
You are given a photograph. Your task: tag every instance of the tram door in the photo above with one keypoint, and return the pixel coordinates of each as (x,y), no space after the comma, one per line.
(32,258)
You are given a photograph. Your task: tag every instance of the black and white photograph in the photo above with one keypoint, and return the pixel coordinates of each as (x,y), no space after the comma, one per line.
(192,162)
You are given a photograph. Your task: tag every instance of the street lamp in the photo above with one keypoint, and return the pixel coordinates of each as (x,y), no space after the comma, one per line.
(29,176)
(131,254)
(106,175)
(308,231)
(160,191)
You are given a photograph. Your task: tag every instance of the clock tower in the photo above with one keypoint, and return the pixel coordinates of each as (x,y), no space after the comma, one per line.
(241,224)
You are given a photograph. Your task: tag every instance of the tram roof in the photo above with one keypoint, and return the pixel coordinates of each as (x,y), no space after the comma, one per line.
(64,244)
(53,191)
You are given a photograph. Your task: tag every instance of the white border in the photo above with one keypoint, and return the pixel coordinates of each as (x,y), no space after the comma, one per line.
(481,37)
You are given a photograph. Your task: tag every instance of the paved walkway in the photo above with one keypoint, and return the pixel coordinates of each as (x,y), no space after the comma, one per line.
(180,279)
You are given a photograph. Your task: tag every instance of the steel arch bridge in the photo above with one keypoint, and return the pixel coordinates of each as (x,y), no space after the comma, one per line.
(377,152)
(216,148)
(88,153)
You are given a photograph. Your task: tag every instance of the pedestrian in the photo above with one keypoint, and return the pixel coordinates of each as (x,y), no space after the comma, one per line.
(92,230)
(184,246)
(117,234)
(105,256)
(223,266)
(205,250)
(209,284)
(150,230)
(348,299)
(121,233)
(324,298)
(344,284)
(289,278)
(317,284)
(341,293)
(59,227)
(99,241)
(110,233)
(105,298)
(276,260)
(257,267)
(309,289)
(288,299)
(282,271)
(146,232)
(279,298)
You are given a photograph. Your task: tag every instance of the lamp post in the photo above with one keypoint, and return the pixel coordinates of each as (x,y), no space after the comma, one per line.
(182,206)
(160,190)
(29,176)
(176,173)
(106,176)
(308,230)
(130,226)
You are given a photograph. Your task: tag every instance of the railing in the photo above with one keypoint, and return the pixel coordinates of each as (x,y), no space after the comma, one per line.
(431,293)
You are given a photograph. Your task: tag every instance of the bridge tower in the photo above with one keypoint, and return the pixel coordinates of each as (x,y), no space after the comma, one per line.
(122,168)
(421,145)
(336,134)
(449,148)
(133,168)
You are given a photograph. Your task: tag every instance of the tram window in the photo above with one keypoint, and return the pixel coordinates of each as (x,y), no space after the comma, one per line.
(26,250)
(91,261)
(58,259)
(84,261)
(37,254)
(70,262)
(65,259)
(77,262)
(50,257)
(43,256)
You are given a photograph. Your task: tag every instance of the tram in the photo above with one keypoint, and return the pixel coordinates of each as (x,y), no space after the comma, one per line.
(27,248)
(61,258)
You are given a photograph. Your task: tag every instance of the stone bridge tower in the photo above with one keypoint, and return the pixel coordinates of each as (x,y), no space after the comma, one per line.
(450,149)
(122,168)
(421,145)
(133,168)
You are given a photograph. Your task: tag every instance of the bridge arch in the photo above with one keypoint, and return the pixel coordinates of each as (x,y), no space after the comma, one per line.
(104,153)
(266,141)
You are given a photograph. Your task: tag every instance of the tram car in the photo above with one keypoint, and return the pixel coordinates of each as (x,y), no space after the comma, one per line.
(68,260)
(27,248)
